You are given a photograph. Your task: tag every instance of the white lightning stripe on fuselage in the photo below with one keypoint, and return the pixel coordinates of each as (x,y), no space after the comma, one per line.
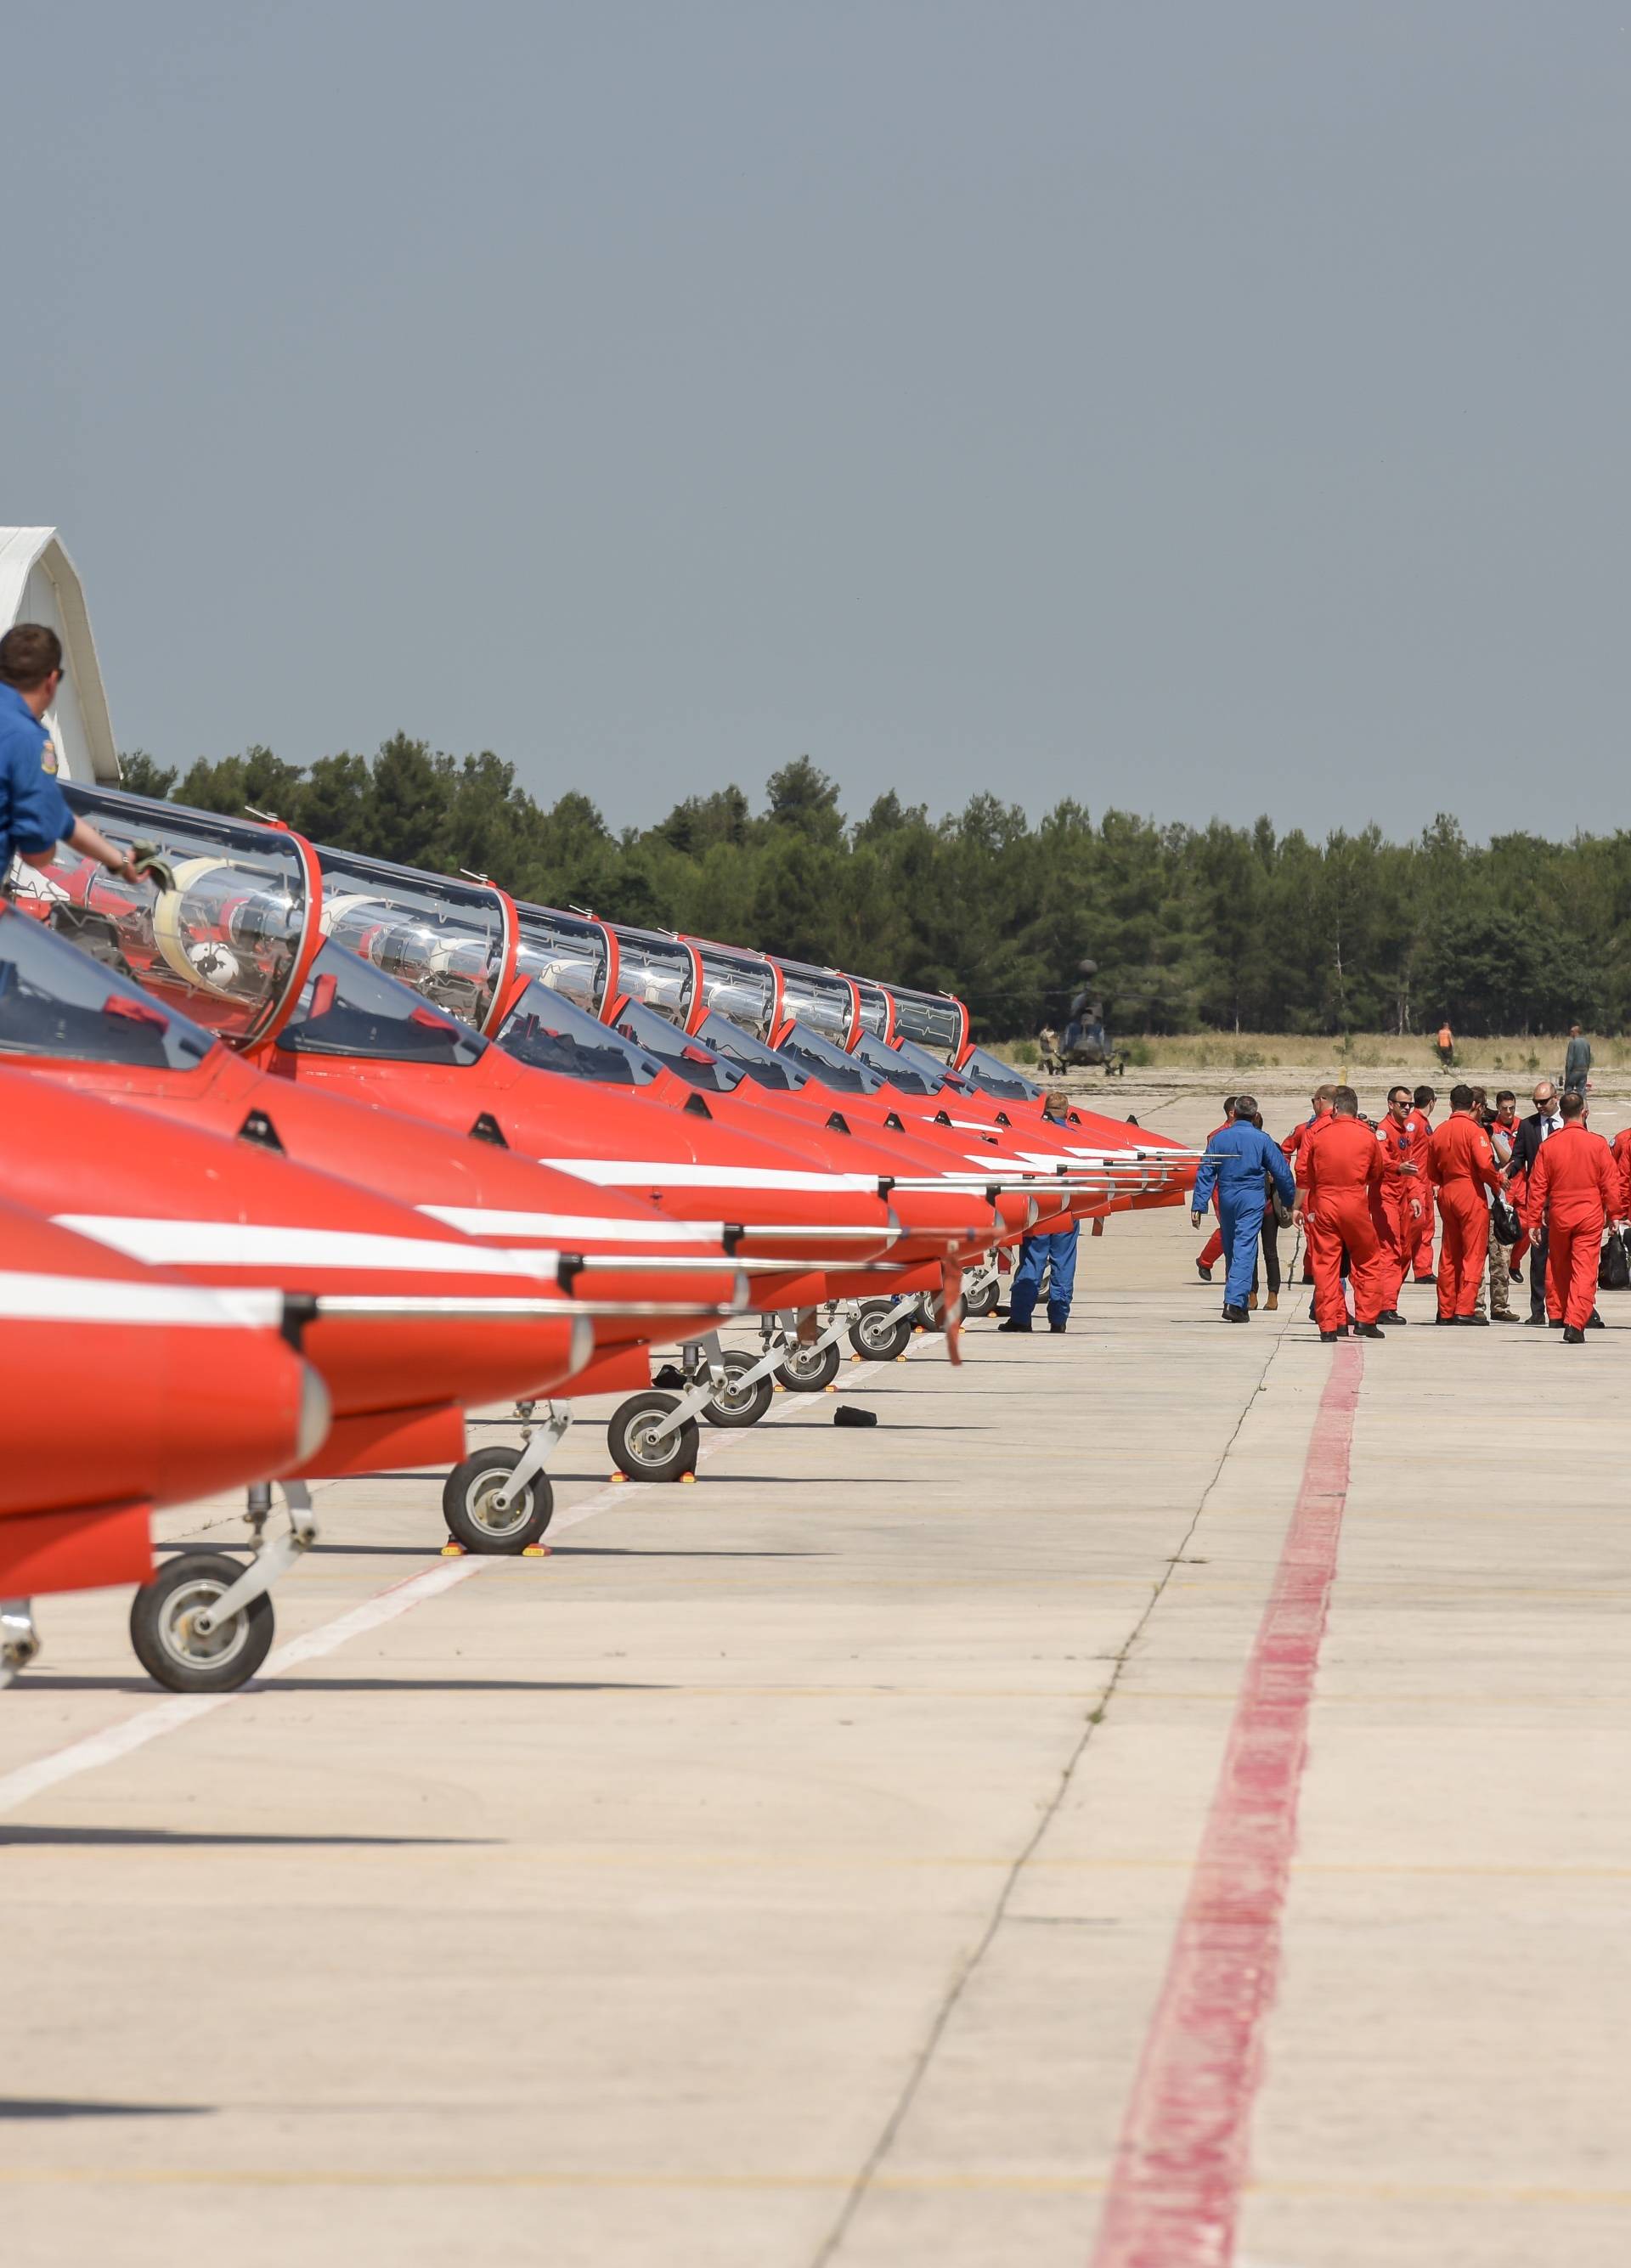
(567,1229)
(257,1244)
(654,1172)
(28,1297)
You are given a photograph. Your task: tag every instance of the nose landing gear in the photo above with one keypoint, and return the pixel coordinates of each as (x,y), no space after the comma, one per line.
(205,1623)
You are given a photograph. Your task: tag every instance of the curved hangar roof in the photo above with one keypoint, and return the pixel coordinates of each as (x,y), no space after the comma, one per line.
(39,583)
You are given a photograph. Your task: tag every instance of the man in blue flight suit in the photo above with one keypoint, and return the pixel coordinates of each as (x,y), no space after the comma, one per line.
(1054,1255)
(1237,1158)
(34,814)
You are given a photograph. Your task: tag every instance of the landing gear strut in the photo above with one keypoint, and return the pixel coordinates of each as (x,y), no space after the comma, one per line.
(205,1623)
(499,1501)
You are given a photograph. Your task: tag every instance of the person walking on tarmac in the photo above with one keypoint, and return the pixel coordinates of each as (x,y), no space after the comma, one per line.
(1236,1159)
(1575,1191)
(1405,1193)
(1053,1256)
(1576,1062)
(1342,1209)
(1547,1121)
(1421,1107)
(1212,1250)
(1446,1044)
(1319,1106)
(1461,1167)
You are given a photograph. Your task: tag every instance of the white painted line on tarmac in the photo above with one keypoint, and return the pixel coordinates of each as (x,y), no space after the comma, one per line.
(175,1714)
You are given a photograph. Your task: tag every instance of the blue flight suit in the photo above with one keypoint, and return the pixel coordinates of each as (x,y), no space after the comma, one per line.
(34,814)
(1237,1159)
(1057,1253)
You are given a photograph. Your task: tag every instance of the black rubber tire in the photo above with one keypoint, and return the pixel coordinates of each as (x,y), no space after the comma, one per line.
(675,1455)
(158,1626)
(876,1340)
(984,1301)
(742,1409)
(471,1484)
(804,1371)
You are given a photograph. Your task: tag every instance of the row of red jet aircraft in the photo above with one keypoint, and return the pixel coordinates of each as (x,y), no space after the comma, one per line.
(305,1155)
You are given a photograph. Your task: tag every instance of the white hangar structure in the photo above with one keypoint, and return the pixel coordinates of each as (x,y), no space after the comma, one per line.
(39,583)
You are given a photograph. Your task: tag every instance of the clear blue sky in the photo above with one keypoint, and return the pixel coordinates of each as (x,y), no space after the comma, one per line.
(1204,408)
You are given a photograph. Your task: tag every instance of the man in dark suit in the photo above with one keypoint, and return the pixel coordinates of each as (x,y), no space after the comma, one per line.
(1526,1142)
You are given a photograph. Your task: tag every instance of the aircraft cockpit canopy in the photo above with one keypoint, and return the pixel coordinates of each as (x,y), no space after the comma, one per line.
(565,952)
(899,1067)
(656,970)
(813,998)
(444,937)
(823,1060)
(992,1076)
(875,1008)
(695,1062)
(934,1020)
(765,1065)
(55,1001)
(223,946)
(551,1033)
(740,987)
(348,1007)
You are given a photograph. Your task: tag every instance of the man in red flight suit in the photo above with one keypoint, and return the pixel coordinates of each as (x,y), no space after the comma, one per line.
(1421,1134)
(1462,1166)
(1319,1103)
(1620,1150)
(1343,1207)
(1405,1194)
(1212,1250)
(1575,1189)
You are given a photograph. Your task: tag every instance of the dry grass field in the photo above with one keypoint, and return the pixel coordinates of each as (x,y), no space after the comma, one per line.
(1510,1056)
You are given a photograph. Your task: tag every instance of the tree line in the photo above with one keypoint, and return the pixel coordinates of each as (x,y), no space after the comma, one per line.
(1214,927)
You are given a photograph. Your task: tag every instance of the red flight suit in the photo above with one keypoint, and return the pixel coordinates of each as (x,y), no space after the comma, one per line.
(1461,1167)
(1297,1158)
(1620,1150)
(1212,1250)
(1421,1134)
(1343,1205)
(1575,1187)
(1404,1196)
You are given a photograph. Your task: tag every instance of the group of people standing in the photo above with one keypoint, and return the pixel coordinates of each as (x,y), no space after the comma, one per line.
(1363,1193)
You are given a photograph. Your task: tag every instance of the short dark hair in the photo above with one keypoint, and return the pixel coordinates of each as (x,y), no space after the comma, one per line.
(1345,1102)
(1572,1104)
(1424,1096)
(29,652)
(1400,1089)
(1505,1095)
(1461,1097)
(1230,1101)
(1245,1106)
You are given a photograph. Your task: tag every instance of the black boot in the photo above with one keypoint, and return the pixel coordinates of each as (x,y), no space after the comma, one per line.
(1331,1337)
(1391,1315)
(1481,1321)
(1369,1331)
(1012,1326)
(1203,1271)
(1573,1336)
(1594,1322)
(1236,1316)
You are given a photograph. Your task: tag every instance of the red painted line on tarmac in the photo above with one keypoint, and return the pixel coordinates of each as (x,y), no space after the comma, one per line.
(1175,2189)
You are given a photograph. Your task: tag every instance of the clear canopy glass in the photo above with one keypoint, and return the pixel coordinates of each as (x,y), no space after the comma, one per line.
(698,1063)
(222,946)
(59,1002)
(551,1033)
(565,952)
(740,987)
(931,1019)
(813,998)
(762,1062)
(656,970)
(445,937)
(349,1008)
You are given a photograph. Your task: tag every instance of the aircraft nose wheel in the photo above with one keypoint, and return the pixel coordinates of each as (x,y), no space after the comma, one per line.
(739,1405)
(174,1651)
(882,1331)
(478,1519)
(806,1370)
(983,1299)
(641,1449)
